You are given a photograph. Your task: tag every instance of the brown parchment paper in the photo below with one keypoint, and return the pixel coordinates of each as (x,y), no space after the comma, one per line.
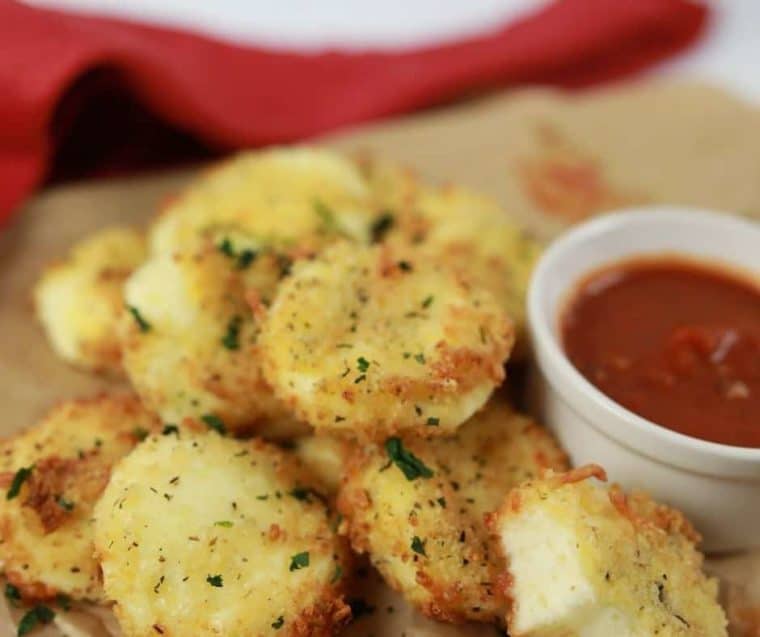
(551,159)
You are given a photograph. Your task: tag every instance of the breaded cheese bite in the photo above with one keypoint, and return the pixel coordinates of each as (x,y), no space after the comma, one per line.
(52,475)
(584,561)
(189,338)
(278,198)
(371,341)
(203,535)
(417,509)
(79,300)
(474,235)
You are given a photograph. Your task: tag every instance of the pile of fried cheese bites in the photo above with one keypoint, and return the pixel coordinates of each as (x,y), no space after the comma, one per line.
(316,347)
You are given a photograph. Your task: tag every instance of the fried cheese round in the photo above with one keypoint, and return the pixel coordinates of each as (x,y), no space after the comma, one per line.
(418,509)
(277,198)
(370,341)
(79,300)
(583,559)
(190,336)
(203,535)
(53,473)
(471,233)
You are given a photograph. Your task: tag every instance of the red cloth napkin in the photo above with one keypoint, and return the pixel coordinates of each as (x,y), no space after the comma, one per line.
(232,96)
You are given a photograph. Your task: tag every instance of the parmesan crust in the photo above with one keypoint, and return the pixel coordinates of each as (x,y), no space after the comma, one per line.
(201,535)
(421,517)
(586,561)
(370,341)
(60,467)
(190,339)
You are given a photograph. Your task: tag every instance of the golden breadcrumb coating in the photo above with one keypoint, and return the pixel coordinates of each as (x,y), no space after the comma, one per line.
(467,230)
(417,508)
(370,341)
(190,339)
(585,561)
(52,475)
(79,300)
(202,535)
(475,235)
(277,198)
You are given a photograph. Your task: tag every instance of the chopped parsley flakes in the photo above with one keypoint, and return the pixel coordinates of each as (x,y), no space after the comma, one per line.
(231,339)
(427,302)
(242,259)
(215,581)
(12,594)
(63,601)
(22,475)
(433,422)
(66,505)
(170,429)
(227,524)
(278,623)
(327,216)
(299,561)
(420,358)
(34,617)
(215,423)
(337,574)
(139,319)
(140,433)
(362,364)
(304,494)
(410,465)
(381,226)
(418,546)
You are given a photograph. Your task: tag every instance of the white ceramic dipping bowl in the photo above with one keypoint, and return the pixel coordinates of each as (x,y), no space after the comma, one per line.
(717,486)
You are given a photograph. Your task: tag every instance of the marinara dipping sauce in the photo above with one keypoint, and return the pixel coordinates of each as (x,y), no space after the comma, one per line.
(675,341)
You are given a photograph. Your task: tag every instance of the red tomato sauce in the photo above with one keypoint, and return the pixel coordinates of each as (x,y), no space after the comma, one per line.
(675,341)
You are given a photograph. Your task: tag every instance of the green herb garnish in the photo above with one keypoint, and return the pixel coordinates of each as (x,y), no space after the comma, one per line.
(34,617)
(141,322)
(22,475)
(227,524)
(242,259)
(12,594)
(63,601)
(427,302)
(337,574)
(278,623)
(215,580)
(418,546)
(329,223)
(433,422)
(302,493)
(411,466)
(170,429)
(140,433)
(362,364)
(66,505)
(299,561)
(231,339)
(215,423)
(380,227)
